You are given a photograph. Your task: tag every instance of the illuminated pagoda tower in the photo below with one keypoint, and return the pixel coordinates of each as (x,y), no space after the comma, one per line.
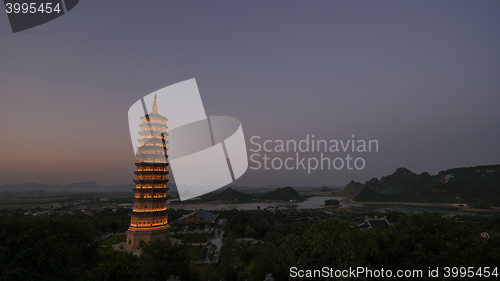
(149,219)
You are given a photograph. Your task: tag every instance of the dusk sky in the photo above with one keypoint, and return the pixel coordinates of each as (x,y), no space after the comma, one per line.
(420,77)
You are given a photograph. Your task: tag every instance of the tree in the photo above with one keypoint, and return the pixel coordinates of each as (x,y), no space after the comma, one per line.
(113,265)
(420,241)
(250,231)
(332,202)
(160,258)
(340,244)
(331,242)
(294,251)
(228,255)
(45,248)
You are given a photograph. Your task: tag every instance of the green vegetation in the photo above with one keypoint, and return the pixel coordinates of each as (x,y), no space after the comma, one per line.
(46,248)
(415,241)
(332,202)
(193,238)
(67,247)
(111,240)
(160,259)
(111,265)
(195,253)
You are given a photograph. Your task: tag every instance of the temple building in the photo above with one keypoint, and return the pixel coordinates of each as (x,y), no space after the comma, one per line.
(199,219)
(149,218)
(376,222)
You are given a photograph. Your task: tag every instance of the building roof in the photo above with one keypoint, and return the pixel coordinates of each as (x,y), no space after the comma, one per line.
(380,223)
(200,216)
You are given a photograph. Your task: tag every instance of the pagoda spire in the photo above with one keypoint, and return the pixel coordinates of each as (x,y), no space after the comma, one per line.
(155,106)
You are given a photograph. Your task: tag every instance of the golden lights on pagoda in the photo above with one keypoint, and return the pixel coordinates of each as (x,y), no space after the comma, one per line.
(149,219)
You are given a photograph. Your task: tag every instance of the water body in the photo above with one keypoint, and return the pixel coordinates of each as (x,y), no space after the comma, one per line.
(314,203)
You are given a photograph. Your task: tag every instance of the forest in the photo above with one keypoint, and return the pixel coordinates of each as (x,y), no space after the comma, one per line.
(64,247)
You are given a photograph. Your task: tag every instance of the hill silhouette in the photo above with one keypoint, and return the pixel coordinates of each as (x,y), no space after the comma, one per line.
(350,190)
(24,187)
(477,186)
(228,194)
(282,194)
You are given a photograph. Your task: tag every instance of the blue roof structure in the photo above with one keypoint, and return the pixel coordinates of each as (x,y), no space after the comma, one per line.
(200,216)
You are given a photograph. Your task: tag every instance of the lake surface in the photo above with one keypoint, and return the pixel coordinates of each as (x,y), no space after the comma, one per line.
(314,203)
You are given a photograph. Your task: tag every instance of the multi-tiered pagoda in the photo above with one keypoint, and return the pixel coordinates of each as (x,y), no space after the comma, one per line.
(149,217)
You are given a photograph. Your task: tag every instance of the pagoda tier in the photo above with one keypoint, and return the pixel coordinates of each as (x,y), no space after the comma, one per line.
(156,140)
(149,218)
(151,148)
(149,221)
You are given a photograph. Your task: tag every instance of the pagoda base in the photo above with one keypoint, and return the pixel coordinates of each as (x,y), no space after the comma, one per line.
(134,238)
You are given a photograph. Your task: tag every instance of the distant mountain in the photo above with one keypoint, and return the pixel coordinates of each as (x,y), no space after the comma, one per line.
(350,190)
(23,187)
(403,181)
(476,186)
(282,194)
(88,186)
(228,194)
(232,195)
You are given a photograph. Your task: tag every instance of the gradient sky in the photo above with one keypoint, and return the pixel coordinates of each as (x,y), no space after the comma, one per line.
(421,77)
